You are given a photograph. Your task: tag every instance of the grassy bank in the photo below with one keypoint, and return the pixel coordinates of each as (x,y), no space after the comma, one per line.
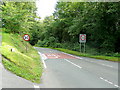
(110,58)
(22,63)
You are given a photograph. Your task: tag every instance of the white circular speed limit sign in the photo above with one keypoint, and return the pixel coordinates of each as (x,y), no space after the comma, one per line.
(26,37)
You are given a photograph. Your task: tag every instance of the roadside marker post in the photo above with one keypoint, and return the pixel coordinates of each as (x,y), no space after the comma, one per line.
(82,40)
(26,37)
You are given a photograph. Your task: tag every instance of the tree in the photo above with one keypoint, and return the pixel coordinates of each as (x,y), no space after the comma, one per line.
(18,16)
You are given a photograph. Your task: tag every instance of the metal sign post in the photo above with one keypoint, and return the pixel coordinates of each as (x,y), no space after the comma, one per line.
(26,37)
(82,40)
(26,47)
(84,47)
(80,47)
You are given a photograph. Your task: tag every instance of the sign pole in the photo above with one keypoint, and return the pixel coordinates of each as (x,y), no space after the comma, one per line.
(80,47)
(82,40)
(84,47)
(26,47)
(26,37)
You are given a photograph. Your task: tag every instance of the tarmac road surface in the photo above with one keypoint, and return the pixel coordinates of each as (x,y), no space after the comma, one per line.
(63,70)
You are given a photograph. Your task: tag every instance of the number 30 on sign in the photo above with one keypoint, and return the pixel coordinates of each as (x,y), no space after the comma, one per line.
(26,37)
(82,38)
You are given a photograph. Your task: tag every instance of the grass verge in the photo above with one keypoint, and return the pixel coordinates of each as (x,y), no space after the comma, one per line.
(22,63)
(110,58)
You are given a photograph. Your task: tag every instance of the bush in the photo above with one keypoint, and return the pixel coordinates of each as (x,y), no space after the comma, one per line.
(6,30)
(57,45)
(44,43)
(52,39)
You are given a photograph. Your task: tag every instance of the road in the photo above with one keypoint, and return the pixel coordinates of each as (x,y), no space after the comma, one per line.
(63,70)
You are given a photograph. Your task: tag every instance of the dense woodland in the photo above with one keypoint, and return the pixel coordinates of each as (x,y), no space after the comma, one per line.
(100,21)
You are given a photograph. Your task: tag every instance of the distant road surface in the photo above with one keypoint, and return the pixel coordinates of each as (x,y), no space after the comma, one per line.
(63,70)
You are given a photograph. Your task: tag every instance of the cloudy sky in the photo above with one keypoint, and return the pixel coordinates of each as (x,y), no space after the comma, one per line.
(45,7)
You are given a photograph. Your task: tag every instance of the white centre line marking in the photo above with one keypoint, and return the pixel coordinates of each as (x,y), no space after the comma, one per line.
(106,65)
(73,63)
(109,82)
(117,86)
(88,60)
(99,63)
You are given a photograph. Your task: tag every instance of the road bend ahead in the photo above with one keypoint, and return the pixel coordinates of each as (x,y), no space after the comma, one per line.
(63,70)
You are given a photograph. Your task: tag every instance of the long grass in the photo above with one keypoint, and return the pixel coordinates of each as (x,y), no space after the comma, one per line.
(15,58)
(110,58)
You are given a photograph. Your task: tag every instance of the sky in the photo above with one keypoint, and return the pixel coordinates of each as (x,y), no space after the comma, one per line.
(45,7)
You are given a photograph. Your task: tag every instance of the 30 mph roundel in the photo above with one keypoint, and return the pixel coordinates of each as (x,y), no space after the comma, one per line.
(83,37)
(26,37)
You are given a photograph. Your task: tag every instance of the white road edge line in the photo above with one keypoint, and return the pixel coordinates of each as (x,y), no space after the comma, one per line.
(109,82)
(43,57)
(72,55)
(107,65)
(99,63)
(73,63)
(1,66)
(36,86)
(88,60)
